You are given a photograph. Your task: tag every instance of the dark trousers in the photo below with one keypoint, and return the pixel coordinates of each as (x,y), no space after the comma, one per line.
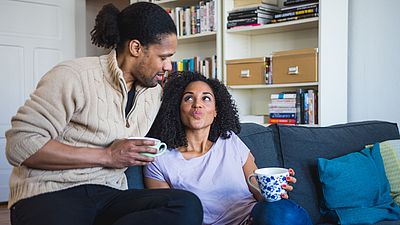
(101,205)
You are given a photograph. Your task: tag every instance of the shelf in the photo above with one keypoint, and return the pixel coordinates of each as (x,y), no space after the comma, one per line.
(176,3)
(277,27)
(206,36)
(266,86)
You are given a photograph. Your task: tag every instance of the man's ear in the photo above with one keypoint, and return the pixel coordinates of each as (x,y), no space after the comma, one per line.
(134,47)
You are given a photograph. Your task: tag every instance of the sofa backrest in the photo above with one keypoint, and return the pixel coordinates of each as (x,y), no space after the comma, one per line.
(260,140)
(302,146)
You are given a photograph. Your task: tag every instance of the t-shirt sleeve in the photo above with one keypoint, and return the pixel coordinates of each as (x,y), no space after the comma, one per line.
(153,171)
(242,150)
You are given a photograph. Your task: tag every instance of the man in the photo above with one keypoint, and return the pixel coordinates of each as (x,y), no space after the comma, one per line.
(67,142)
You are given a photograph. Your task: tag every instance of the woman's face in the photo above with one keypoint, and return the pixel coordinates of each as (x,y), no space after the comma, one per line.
(198,106)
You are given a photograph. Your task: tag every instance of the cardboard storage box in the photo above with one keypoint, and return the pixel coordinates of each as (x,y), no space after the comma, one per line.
(295,66)
(246,71)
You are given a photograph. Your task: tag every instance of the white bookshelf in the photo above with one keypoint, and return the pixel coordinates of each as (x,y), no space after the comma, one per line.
(204,44)
(325,32)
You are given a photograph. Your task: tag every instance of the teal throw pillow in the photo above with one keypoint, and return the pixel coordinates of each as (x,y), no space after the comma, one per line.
(355,188)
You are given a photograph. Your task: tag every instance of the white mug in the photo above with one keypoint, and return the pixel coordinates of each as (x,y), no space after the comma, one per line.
(270,182)
(160,146)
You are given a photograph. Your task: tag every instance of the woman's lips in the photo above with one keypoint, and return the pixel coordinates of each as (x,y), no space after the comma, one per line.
(197,114)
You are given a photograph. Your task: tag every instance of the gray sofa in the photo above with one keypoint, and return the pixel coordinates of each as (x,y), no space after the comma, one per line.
(299,147)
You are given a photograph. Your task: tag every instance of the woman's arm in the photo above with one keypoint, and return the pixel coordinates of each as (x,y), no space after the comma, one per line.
(155,184)
(248,168)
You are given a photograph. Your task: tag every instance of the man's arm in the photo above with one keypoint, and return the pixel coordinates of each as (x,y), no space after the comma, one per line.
(122,153)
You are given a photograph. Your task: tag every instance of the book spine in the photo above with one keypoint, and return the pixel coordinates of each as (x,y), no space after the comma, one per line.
(283,115)
(297,2)
(282,110)
(295,13)
(282,121)
(250,15)
(300,7)
(294,18)
(283,96)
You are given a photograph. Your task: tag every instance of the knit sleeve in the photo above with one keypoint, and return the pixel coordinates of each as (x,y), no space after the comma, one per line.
(45,114)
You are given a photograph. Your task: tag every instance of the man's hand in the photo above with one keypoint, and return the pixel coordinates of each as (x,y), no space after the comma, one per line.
(126,152)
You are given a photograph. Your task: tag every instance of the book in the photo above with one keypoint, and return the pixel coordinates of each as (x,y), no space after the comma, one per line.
(283,95)
(245,25)
(282,121)
(282,105)
(294,18)
(298,2)
(296,13)
(299,106)
(299,7)
(282,110)
(241,3)
(264,7)
(247,21)
(282,115)
(250,15)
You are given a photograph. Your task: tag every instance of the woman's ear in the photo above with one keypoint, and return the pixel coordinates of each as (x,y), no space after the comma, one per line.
(134,47)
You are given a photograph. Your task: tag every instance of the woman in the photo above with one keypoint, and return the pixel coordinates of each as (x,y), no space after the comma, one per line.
(199,122)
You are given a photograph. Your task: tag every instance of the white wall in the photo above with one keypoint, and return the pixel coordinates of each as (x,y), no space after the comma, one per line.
(374,60)
(92,8)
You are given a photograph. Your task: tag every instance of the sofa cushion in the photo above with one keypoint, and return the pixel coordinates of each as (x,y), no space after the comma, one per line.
(355,188)
(259,140)
(300,148)
(134,175)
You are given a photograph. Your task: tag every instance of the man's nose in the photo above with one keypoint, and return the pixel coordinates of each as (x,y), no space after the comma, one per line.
(167,65)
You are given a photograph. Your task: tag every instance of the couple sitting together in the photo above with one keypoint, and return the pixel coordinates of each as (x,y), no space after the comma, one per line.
(69,142)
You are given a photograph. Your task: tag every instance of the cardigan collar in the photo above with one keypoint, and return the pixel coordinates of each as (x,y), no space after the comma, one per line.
(115,75)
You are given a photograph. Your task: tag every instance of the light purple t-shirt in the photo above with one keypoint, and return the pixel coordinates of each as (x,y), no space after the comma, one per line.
(216,177)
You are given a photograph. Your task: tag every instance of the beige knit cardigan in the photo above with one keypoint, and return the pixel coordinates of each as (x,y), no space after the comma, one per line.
(80,103)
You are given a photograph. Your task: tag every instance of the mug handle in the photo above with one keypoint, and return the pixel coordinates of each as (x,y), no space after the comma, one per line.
(161,149)
(254,186)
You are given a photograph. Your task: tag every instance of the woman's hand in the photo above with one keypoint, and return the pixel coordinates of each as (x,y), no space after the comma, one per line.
(290,179)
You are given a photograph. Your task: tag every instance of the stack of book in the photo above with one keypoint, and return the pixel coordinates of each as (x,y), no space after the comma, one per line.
(252,15)
(297,9)
(282,108)
(298,107)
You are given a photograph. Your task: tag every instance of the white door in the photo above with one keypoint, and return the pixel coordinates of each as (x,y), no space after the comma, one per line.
(34,36)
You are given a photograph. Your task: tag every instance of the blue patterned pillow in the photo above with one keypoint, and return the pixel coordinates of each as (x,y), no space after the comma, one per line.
(355,188)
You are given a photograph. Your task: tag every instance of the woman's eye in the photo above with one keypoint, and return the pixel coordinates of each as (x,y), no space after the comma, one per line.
(187,98)
(207,98)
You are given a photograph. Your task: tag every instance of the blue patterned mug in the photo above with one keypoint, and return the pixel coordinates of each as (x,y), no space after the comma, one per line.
(270,182)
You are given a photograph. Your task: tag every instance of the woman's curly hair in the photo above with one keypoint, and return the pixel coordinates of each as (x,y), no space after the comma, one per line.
(168,126)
